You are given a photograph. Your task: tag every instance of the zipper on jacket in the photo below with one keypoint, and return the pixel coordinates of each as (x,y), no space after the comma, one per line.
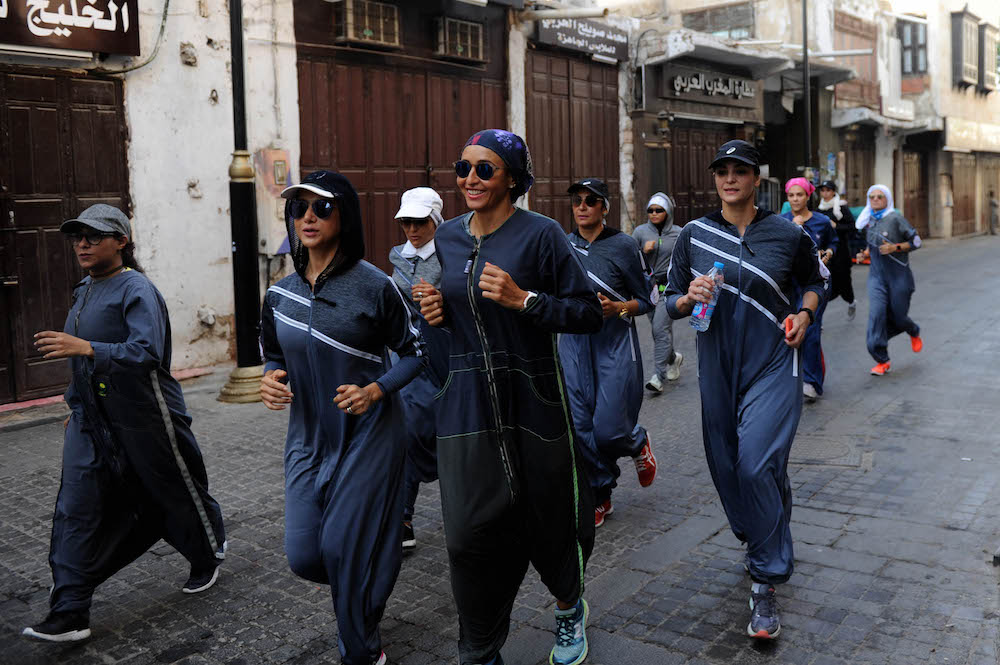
(490,377)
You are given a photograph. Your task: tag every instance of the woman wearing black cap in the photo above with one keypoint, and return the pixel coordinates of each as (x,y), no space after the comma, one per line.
(132,472)
(840,265)
(604,370)
(324,333)
(751,391)
(513,484)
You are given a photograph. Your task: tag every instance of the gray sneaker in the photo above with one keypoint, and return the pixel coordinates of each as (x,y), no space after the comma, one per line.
(674,368)
(765,622)
(852,309)
(655,384)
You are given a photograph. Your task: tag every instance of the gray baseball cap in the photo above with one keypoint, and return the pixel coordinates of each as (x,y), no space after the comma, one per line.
(100,217)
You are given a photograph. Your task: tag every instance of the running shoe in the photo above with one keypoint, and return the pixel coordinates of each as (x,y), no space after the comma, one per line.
(409,538)
(571,635)
(202,580)
(852,310)
(602,511)
(223,548)
(809,391)
(916,343)
(765,623)
(655,384)
(61,627)
(382,660)
(881,369)
(674,368)
(645,464)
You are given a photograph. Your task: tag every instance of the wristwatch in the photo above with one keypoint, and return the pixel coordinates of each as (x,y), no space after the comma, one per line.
(624,313)
(529,300)
(812,314)
(899,247)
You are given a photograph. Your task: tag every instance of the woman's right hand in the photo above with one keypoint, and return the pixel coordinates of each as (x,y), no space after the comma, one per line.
(699,290)
(432,308)
(421,290)
(862,255)
(273,392)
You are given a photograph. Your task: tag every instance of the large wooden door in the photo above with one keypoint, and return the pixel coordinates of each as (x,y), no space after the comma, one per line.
(62,149)
(859,151)
(572,130)
(963,214)
(389,130)
(691,184)
(991,183)
(915,189)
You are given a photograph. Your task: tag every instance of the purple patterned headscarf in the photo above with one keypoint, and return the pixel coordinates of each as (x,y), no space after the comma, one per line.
(512,149)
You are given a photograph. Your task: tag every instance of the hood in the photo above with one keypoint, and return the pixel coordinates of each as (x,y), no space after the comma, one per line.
(667,204)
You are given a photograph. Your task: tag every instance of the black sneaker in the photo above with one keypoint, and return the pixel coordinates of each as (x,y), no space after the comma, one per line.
(765,623)
(409,538)
(61,627)
(200,580)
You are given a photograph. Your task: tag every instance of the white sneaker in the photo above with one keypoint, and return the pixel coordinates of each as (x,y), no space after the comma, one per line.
(852,309)
(809,391)
(655,384)
(674,368)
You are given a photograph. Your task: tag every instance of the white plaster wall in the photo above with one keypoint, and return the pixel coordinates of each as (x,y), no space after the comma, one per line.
(178,159)
(517,107)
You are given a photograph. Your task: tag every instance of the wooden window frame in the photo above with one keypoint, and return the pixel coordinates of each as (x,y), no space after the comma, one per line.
(719,10)
(348,13)
(446,25)
(988,75)
(964,48)
(917,48)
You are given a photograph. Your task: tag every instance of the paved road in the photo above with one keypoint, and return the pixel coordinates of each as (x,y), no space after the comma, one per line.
(896,517)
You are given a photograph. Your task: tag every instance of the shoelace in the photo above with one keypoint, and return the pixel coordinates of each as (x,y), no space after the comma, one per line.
(765,604)
(566,630)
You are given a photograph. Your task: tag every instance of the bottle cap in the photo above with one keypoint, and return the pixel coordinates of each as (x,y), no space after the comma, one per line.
(719,264)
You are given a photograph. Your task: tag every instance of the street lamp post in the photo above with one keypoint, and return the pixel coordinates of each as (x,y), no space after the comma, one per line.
(244,381)
(806,90)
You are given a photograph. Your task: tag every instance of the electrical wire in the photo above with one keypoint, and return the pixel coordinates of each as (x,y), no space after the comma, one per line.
(156,48)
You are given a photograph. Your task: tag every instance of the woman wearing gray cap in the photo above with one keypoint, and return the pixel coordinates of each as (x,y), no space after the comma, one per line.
(132,472)
(751,388)
(417,271)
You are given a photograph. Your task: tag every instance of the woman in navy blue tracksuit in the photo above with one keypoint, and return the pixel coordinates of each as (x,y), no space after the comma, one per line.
(325,331)
(751,391)
(604,370)
(513,484)
(132,472)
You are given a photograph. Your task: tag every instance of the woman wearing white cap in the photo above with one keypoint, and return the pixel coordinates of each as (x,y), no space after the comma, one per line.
(417,271)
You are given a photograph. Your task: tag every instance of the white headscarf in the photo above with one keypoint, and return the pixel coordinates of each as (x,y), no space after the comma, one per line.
(866,215)
(833,204)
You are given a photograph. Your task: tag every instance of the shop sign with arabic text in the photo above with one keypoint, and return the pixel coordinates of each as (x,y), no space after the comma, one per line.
(708,87)
(583,35)
(102,26)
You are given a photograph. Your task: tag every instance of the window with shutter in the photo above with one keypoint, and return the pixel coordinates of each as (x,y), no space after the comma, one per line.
(913,47)
(366,22)
(461,40)
(964,48)
(733,21)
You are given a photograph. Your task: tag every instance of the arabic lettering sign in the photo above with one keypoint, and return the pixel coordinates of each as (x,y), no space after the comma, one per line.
(708,87)
(102,26)
(583,35)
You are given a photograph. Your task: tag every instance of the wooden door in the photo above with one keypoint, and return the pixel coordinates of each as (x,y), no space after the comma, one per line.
(963,214)
(859,151)
(572,130)
(915,190)
(389,130)
(991,183)
(691,184)
(64,150)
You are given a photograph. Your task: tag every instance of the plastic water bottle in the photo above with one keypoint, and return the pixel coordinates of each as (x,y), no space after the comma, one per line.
(701,315)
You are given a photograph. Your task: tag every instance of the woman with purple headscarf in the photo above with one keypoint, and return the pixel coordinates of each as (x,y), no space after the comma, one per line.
(514,490)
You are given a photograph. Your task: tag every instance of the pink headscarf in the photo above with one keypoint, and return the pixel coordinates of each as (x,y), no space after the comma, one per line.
(801,182)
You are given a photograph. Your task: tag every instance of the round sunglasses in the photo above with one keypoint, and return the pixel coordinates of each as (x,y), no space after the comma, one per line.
(91,238)
(484,170)
(322,208)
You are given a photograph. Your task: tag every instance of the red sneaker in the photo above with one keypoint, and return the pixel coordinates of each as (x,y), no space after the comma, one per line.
(916,343)
(881,369)
(645,464)
(602,511)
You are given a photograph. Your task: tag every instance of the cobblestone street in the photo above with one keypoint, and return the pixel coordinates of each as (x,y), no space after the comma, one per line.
(897,514)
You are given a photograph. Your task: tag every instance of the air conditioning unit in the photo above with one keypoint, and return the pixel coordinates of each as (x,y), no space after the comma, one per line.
(461,40)
(366,22)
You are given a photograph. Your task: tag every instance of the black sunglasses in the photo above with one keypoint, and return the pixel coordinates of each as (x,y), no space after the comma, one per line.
(412,221)
(484,170)
(322,208)
(91,238)
(655,211)
(592,200)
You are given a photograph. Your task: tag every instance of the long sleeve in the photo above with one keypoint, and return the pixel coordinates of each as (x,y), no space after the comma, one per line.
(637,282)
(831,237)
(679,276)
(270,349)
(401,328)
(907,232)
(805,268)
(146,318)
(572,305)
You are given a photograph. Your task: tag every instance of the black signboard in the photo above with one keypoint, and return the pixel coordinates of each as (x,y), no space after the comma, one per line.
(102,26)
(584,35)
(708,87)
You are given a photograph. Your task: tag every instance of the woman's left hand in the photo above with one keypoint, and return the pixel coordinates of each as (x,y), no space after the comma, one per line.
(610,308)
(499,287)
(887,248)
(354,400)
(826,255)
(795,335)
(54,344)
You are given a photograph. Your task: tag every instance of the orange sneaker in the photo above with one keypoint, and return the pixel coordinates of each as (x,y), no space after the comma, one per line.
(602,511)
(916,343)
(645,464)
(881,369)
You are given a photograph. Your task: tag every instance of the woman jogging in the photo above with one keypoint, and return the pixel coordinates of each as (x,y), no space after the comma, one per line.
(831,205)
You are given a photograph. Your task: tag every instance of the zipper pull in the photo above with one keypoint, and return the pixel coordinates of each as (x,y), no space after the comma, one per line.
(468,266)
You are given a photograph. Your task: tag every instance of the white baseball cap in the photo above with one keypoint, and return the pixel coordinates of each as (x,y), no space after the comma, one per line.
(420,203)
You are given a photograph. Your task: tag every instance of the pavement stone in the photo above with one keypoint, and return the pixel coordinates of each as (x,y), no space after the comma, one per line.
(893,541)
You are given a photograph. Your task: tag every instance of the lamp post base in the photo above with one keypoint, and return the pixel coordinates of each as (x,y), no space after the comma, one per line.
(243,386)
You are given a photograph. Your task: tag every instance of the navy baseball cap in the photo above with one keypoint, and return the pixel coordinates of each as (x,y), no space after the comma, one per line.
(738,150)
(594,185)
(99,217)
(317,182)
(829,184)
